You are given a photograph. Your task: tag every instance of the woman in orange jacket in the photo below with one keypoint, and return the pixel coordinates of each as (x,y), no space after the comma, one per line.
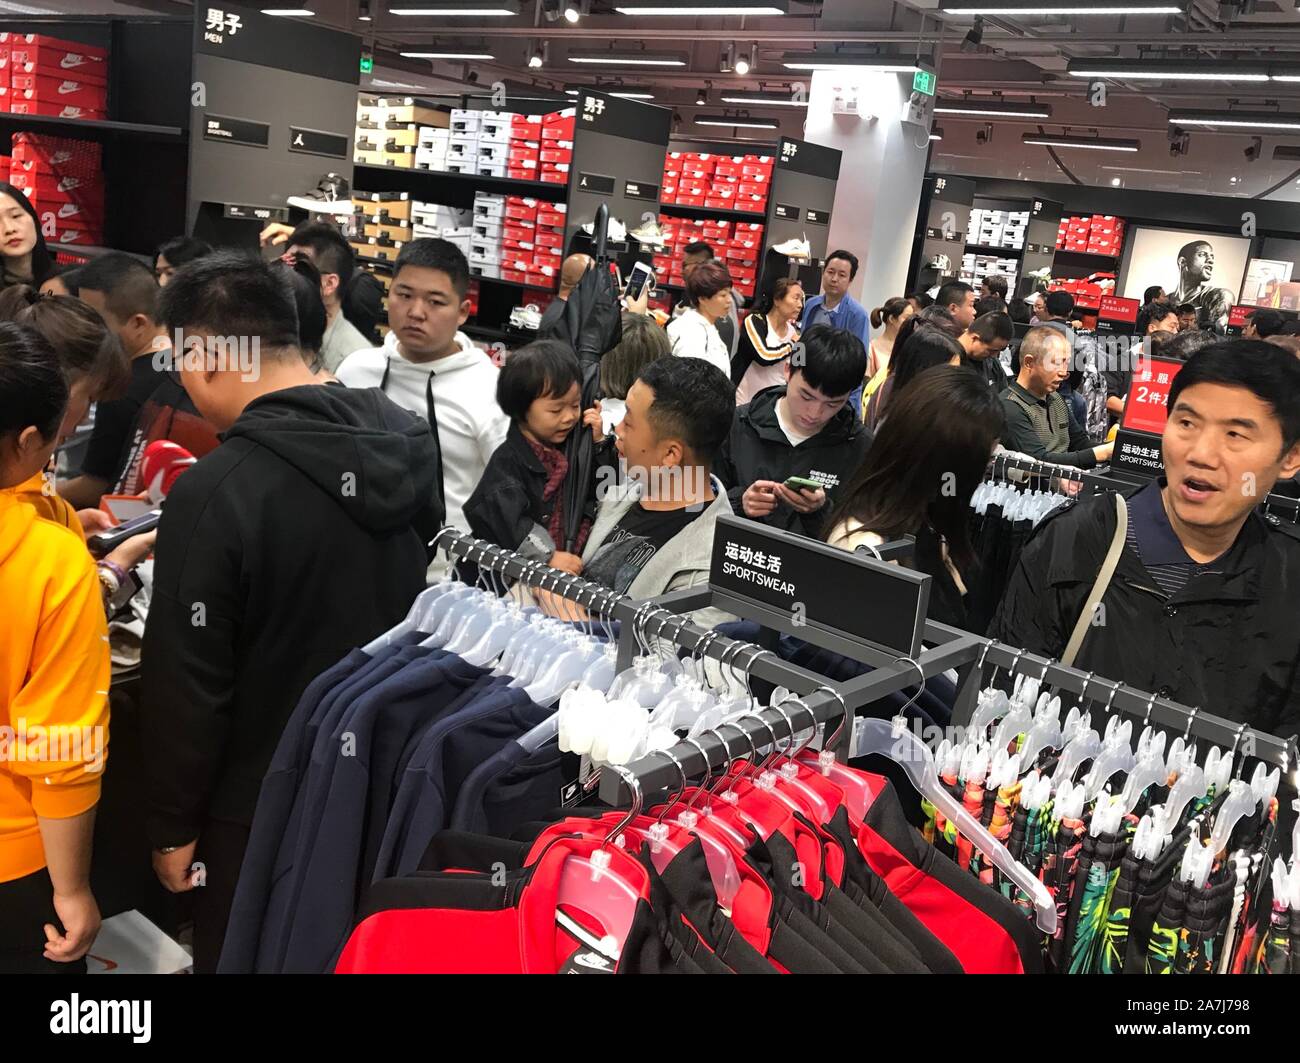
(54,676)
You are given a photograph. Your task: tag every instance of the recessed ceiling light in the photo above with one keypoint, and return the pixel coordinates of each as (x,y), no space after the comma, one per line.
(623,92)
(462,9)
(885,64)
(447,55)
(763,99)
(628,58)
(936,133)
(720,8)
(737,123)
(1089,143)
(993,108)
(1167,70)
(287,12)
(1059,7)
(1235,119)
(1114,182)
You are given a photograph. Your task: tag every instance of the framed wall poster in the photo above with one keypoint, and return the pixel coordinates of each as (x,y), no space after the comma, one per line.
(1204,269)
(1266,280)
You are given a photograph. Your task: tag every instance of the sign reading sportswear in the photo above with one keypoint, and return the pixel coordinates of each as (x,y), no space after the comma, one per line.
(820,586)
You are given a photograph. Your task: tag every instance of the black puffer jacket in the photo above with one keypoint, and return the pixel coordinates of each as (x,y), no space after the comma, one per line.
(758,449)
(1227,643)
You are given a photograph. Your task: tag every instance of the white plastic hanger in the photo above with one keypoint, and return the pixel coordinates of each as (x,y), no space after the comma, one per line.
(1116,755)
(1044,733)
(892,739)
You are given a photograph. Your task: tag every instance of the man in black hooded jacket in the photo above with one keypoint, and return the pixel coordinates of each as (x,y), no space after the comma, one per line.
(806,429)
(299,538)
(1202,606)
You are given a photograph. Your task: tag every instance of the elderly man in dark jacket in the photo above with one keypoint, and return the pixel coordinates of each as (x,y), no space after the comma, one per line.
(1202,605)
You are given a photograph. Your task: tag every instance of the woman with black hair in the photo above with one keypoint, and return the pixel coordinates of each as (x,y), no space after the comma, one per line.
(923,348)
(174,253)
(918,478)
(54,675)
(303,279)
(26,258)
(767,339)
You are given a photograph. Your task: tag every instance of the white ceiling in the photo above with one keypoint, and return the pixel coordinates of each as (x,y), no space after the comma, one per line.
(1018,59)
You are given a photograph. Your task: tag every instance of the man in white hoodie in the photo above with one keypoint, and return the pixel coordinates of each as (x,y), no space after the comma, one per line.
(432,369)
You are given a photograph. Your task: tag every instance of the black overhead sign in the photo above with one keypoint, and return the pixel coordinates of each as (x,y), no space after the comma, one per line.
(597,183)
(316,142)
(247,35)
(623,118)
(236,131)
(640,190)
(818,585)
(802,156)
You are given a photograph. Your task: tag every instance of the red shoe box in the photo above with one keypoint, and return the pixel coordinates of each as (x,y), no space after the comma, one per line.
(663,266)
(557,154)
(59,57)
(526,127)
(756,168)
(545,261)
(5,163)
(562,130)
(668,194)
(743,273)
(692,186)
(686,200)
(38,153)
(521,209)
(516,259)
(48,109)
(763,178)
(549,239)
(85,237)
(519,276)
(521,174)
(64,90)
(696,172)
(554,177)
(717,203)
(56,186)
(551,214)
(718,230)
(754,204)
(748,188)
(524,149)
(730,168)
(67,213)
(518,234)
(724,192)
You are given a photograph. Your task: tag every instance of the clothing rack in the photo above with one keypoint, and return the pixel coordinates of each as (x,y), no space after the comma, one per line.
(822,702)
(1284,507)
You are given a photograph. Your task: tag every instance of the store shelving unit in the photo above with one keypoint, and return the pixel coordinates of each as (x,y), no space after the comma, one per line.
(438,185)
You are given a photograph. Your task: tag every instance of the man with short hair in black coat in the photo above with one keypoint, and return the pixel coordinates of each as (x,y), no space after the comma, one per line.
(805,430)
(299,538)
(1202,606)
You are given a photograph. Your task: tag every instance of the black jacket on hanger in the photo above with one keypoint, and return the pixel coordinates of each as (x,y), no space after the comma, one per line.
(1227,642)
(757,449)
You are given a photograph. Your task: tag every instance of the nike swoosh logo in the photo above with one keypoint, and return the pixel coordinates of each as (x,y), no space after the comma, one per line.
(67,87)
(70,60)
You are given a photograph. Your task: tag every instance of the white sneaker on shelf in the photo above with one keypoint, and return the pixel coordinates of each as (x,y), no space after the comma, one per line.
(331,195)
(615,234)
(526,317)
(795,248)
(649,232)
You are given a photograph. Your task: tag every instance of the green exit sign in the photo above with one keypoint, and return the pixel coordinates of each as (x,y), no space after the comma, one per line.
(367,64)
(923,81)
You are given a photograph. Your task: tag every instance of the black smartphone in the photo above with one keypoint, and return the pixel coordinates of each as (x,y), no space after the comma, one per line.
(106,542)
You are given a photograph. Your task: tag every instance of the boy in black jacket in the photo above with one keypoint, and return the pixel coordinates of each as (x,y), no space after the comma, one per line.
(299,538)
(805,429)
(519,503)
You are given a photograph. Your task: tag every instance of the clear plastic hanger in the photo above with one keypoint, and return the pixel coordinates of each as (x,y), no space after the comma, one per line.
(1044,733)
(1152,833)
(892,739)
(991,704)
(721,864)
(1149,770)
(419,617)
(1116,755)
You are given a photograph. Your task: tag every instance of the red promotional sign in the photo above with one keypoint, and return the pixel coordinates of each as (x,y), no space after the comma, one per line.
(1147,406)
(1113,308)
(1238,314)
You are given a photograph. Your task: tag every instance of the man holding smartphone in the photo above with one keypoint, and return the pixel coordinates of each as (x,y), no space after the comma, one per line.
(792,446)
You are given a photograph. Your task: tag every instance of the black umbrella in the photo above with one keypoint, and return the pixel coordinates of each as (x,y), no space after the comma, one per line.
(592,324)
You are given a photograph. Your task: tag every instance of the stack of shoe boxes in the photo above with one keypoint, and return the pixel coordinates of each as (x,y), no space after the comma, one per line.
(55,78)
(447,223)
(62,178)
(391,131)
(1097,234)
(518,239)
(431,148)
(738,244)
(998,228)
(556,153)
(524,161)
(735,182)
(485,242)
(975,268)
